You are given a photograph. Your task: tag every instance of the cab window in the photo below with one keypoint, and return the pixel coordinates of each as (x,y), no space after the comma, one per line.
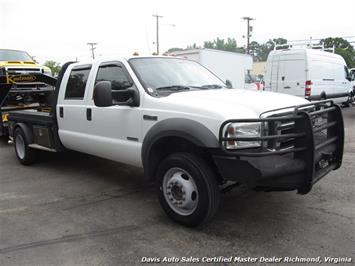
(115,74)
(76,83)
(347,74)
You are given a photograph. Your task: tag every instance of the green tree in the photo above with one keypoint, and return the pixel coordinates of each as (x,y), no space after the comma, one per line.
(225,45)
(337,43)
(279,41)
(342,47)
(260,52)
(175,49)
(54,66)
(193,46)
(348,56)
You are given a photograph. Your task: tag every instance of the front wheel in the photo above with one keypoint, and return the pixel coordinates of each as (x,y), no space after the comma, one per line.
(187,188)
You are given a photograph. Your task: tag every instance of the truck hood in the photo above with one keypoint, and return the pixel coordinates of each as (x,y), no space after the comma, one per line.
(27,64)
(232,103)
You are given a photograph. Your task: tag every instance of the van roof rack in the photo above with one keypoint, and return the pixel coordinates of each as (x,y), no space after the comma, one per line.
(318,46)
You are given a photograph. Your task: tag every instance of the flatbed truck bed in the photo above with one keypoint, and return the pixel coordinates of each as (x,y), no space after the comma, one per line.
(33,117)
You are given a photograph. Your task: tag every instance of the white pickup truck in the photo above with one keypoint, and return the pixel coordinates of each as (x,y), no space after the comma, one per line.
(190,133)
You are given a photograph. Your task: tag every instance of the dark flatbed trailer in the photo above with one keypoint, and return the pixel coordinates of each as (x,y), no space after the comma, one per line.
(8,88)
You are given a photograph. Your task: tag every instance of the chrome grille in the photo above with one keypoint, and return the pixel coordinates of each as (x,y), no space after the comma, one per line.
(319,122)
(22,70)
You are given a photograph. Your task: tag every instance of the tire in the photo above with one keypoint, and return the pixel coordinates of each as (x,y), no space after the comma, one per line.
(349,101)
(25,154)
(187,189)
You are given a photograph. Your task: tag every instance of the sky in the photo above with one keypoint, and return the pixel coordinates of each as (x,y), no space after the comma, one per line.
(60,29)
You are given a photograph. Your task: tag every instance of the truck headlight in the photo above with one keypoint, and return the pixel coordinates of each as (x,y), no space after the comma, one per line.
(236,130)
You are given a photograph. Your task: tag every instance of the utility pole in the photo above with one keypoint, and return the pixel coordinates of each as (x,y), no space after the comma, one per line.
(92,48)
(249,29)
(157,41)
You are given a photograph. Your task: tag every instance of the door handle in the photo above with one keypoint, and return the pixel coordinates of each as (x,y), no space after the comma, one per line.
(287,87)
(88,114)
(61,111)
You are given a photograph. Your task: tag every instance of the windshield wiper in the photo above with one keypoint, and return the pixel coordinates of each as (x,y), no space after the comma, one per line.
(207,87)
(173,88)
(212,86)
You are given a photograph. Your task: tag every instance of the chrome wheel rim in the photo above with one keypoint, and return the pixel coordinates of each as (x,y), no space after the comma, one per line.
(180,191)
(20,146)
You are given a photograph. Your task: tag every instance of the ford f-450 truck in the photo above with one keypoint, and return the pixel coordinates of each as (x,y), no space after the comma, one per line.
(186,129)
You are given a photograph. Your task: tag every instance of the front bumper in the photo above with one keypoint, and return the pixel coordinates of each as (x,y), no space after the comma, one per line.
(297,149)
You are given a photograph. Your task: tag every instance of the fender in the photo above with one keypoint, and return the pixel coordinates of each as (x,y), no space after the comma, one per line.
(26,130)
(187,129)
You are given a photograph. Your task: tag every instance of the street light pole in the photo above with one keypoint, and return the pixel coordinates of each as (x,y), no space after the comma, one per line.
(157,41)
(248,32)
(92,48)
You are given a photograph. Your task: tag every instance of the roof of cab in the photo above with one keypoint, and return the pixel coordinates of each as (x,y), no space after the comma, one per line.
(118,58)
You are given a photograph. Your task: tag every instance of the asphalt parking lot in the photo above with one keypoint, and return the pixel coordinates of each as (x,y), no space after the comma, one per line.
(74,209)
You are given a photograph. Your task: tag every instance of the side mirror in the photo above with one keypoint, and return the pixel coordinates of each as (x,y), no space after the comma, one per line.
(229,84)
(103,94)
(128,97)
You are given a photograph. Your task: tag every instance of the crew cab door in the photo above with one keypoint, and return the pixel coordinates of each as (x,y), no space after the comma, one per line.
(71,108)
(115,131)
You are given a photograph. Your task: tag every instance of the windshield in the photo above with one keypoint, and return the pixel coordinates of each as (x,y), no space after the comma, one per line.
(13,55)
(173,75)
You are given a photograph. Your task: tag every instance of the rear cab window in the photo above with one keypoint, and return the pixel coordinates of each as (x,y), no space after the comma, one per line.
(77,81)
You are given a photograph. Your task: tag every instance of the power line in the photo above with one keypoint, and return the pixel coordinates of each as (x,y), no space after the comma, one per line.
(157,41)
(92,44)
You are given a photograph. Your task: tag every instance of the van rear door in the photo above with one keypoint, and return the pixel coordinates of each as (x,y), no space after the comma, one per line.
(274,73)
(293,76)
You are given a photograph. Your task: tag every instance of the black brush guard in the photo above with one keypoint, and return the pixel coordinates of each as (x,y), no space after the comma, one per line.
(317,137)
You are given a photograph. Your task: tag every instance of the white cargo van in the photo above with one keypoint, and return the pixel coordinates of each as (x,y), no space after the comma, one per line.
(308,73)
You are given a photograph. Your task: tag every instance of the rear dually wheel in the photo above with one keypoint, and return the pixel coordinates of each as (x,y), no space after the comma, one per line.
(24,153)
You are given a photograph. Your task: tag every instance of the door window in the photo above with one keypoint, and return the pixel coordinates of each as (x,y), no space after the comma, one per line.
(76,83)
(347,74)
(115,74)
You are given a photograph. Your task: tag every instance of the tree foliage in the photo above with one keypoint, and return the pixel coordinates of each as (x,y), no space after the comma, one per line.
(260,52)
(175,49)
(220,44)
(193,46)
(54,66)
(342,47)
(337,43)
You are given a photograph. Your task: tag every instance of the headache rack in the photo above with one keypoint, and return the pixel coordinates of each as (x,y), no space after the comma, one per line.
(313,132)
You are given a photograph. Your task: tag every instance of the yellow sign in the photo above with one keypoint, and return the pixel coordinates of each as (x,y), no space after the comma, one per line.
(22,78)
(5,117)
